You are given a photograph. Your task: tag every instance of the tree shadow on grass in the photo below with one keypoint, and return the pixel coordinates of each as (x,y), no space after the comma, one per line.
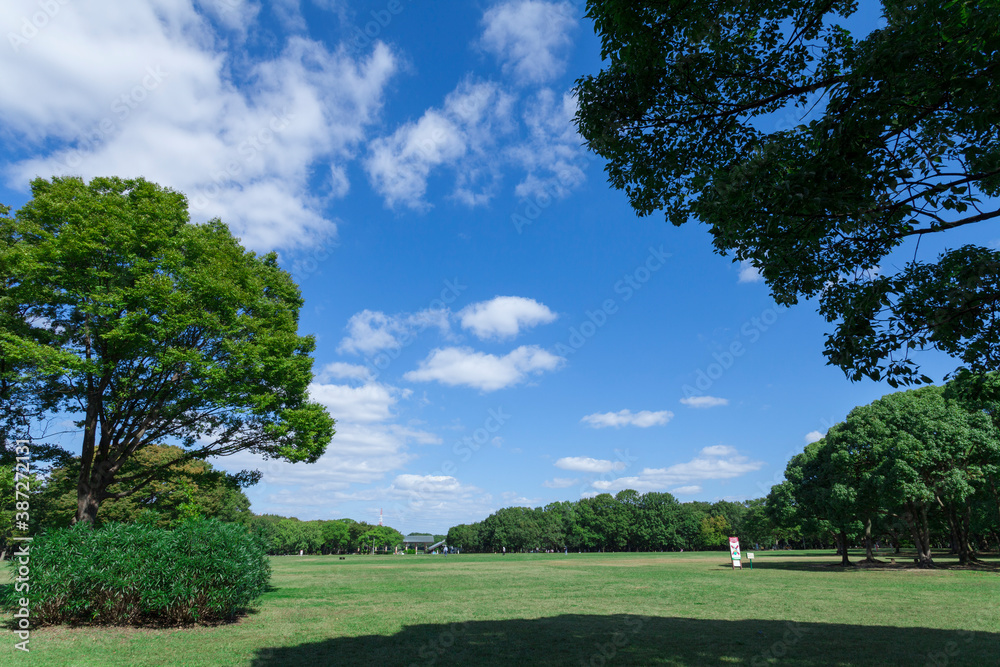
(639,640)
(901,561)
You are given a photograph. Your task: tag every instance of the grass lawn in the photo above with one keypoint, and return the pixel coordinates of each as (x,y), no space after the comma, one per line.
(576,609)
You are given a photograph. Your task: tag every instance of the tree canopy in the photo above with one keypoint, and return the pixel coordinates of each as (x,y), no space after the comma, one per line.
(186,490)
(896,135)
(913,458)
(149,329)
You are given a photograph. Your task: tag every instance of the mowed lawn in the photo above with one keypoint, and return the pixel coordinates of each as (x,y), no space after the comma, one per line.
(576,609)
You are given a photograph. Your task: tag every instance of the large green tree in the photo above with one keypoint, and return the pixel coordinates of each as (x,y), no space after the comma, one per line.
(894,135)
(933,456)
(175,493)
(150,329)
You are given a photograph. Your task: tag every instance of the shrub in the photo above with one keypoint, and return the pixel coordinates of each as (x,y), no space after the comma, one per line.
(134,574)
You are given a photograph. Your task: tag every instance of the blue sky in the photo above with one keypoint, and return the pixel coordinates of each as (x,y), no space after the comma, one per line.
(494,325)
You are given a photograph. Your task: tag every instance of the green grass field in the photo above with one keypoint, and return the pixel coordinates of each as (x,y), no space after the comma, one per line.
(589,609)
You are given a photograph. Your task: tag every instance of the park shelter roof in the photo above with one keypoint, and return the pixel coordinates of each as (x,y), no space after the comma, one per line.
(419,539)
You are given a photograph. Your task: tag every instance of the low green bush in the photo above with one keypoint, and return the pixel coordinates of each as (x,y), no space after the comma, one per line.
(134,574)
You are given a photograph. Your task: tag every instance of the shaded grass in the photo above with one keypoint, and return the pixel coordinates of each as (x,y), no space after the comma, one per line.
(671,609)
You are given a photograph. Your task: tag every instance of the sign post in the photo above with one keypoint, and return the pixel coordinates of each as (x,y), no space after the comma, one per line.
(750,558)
(734,551)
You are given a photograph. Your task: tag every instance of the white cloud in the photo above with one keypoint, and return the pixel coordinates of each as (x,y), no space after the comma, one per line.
(372,331)
(749,273)
(643,419)
(559,483)
(686,490)
(236,15)
(358,454)
(149,88)
(704,401)
(436,499)
(553,155)
(473,115)
(586,464)
(716,462)
(421,485)
(341,371)
(368,403)
(529,38)
(719,450)
(504,317)
(487,372)
(813,436)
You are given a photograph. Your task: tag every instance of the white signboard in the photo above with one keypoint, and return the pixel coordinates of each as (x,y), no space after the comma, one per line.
(734,551)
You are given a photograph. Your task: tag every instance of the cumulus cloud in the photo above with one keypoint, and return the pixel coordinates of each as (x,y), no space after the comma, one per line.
(749,273)
(341,371)
(487,372)
(813,436)
(586,464)
(715,462)
(368,403)
(643,419)
(559,483)
(436,500)
(686,490)
(473,115)
(529,38)
(158,90)
(372,331)
(704,401)
(552,156)
(504,317)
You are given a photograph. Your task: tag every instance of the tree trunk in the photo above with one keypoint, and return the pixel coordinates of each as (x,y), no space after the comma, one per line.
(921,534)
(89,493)
(869,557)
(845,557)
(87,499)
(964,533)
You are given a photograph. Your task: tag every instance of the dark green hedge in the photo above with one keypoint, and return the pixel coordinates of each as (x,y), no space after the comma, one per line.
(131,574)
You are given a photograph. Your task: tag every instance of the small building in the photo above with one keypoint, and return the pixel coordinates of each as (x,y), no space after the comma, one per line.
(418,542)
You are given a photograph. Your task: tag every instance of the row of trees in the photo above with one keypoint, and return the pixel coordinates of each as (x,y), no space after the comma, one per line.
(193,489)
(919,469)
(627,521)
(919,466)
(286,536)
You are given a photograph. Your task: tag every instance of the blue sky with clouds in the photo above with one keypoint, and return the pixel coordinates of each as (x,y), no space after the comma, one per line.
(495,326)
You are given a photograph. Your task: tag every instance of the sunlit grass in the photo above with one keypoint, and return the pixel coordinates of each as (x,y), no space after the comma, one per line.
(678,609)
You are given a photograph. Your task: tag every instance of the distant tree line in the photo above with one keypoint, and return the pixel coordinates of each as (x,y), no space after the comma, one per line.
(190,490)
(626,521)
(286,536)
(917,469)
